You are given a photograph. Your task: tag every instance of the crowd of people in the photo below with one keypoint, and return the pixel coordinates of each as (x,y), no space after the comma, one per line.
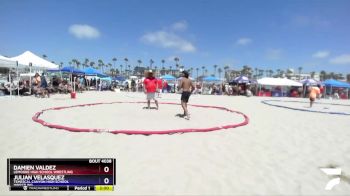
(43,85)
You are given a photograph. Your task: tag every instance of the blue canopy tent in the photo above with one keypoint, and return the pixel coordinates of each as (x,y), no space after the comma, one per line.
(72,70)
(93,72)
(211,79)
(335,83)
(168,77)
(89,71)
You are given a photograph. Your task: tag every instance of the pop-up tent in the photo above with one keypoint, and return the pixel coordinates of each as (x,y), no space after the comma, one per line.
(28,57)
(93,72)
(278,82)
(336,83)
(331,83)
(72,70)
(282,82)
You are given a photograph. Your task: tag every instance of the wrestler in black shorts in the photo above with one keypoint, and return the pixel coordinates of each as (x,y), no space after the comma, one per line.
(185,96)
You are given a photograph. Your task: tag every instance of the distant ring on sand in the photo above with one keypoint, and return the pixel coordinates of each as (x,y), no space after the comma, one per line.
(37,119)
(268,102)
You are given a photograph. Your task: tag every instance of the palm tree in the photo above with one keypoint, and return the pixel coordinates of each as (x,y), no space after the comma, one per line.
(197,69)
(300,69)
(312,74)
(70,63)
(163,71)
(155,67)
(203,67)
(163,61)
(219,71)
(215,66)
(139,62)
(86,62)
(206,71)
(151,63)
(191,71)
(348,77)
(177,66)
(176,59)
(100,64)
(111,71)
(278,73)
(74,61)
(271,72)
(121,69)
(261,72)
(170,68)
(92,64)
(61,64)
(256,72)
(226,67)
(114,60)
(44,56)
(78,64)
(129,69)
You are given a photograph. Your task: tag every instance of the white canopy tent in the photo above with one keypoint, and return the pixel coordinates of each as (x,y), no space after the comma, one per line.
(278,82)
(7,62)
(282,82)
(28,57)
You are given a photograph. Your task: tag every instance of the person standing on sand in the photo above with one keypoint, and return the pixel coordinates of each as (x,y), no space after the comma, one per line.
(150,88)
(187,88)
(314,93)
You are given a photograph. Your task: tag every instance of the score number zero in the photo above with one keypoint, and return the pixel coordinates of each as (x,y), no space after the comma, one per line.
(105,169)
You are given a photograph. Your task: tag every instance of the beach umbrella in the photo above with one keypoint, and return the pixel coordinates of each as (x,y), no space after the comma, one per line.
(309,81)
(241,80)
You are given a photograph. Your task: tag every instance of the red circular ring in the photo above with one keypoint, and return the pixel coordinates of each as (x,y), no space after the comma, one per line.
(140,132)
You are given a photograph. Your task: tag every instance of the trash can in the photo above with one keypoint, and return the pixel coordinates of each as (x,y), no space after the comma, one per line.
(73,95)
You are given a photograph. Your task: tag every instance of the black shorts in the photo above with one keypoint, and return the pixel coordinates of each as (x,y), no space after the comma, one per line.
(185,96)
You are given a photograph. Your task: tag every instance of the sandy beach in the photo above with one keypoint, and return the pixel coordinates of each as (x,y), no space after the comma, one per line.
(280,151)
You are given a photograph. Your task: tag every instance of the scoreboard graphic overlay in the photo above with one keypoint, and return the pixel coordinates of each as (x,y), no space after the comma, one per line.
(96,174)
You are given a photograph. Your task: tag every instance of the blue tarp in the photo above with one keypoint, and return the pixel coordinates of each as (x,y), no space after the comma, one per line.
(336,83)
(168,77)
(93,72)
(72,70)
(211,79)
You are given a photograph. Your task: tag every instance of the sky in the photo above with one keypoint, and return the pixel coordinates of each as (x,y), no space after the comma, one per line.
(269,34)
